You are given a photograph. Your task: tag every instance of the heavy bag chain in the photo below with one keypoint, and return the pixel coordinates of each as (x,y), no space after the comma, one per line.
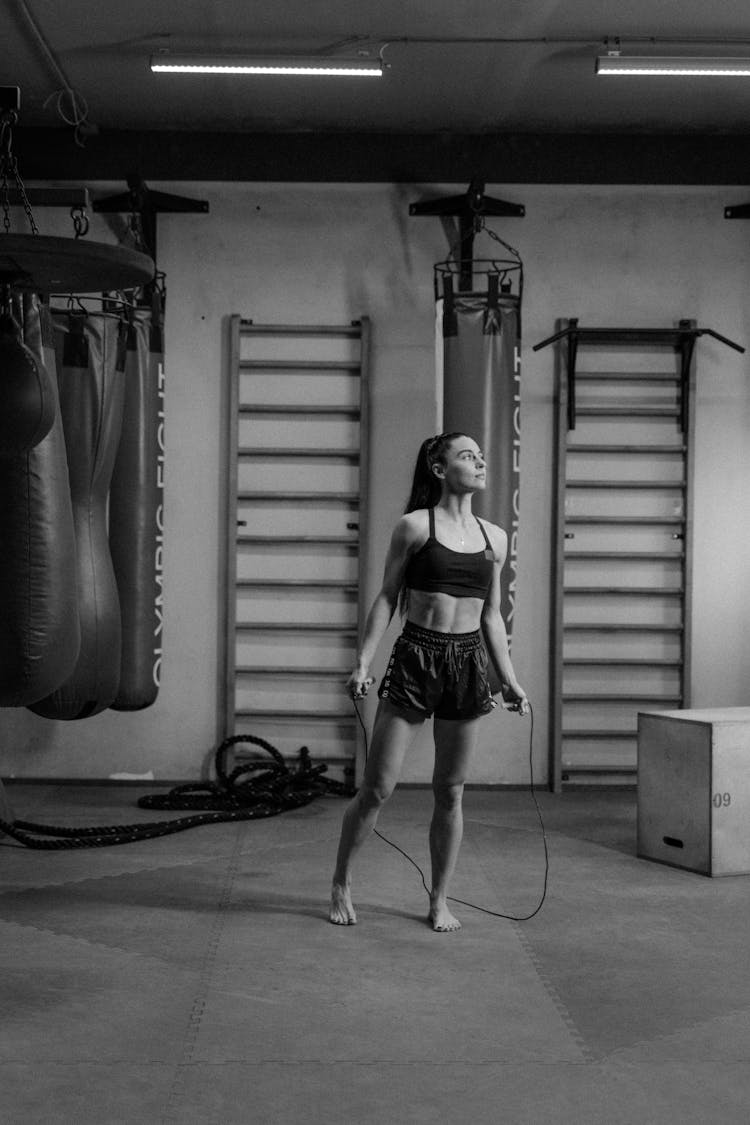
(9,165)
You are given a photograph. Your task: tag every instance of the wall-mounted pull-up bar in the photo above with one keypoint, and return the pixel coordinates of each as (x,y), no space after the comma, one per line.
(681,338)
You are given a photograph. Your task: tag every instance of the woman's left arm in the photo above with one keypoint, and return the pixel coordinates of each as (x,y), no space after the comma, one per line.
(495,633)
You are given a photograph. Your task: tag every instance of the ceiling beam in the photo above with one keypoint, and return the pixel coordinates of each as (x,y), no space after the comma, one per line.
(523,158)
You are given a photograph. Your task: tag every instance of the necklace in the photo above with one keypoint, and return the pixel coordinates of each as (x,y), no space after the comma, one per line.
(461,532)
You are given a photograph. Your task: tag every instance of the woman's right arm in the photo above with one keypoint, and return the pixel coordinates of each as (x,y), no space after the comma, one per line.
(405,535)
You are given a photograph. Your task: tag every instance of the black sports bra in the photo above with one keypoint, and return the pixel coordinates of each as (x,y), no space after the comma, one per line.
(436,569)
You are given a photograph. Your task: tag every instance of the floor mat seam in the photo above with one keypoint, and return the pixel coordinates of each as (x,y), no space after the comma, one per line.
(550,988)
(172,1114)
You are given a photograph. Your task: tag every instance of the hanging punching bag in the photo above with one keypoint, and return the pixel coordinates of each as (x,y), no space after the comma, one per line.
(27,398)
(136,520)
(91,398)
(39,628)
(481,388)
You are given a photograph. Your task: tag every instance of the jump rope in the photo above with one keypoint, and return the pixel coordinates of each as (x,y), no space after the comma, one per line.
(251,791)
(463,902)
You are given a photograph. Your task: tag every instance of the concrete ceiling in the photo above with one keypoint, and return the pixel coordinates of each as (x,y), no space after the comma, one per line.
(481,86)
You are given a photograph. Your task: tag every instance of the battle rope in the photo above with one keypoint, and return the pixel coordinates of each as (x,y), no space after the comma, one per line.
(248,792)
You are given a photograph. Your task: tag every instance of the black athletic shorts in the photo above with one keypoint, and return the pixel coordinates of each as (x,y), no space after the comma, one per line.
(441,673)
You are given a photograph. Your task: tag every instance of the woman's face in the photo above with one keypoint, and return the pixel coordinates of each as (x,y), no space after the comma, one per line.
(463,468)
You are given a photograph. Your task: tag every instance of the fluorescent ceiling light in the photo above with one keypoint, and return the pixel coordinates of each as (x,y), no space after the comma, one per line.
(618,65)
(315,65)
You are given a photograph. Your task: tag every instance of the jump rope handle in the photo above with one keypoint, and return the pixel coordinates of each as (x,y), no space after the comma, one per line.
(361,690)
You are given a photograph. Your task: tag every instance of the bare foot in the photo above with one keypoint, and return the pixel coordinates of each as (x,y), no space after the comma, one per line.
(342,912)
(441,919)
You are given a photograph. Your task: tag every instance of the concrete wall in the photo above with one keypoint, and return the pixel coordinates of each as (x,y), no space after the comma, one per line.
(331,253)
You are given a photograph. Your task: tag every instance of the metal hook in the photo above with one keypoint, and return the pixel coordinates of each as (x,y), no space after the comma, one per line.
(7,120)
(80,221)
(381,56)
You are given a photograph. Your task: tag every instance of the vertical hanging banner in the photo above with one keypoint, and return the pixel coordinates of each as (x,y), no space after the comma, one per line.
(482,398)
(136,511)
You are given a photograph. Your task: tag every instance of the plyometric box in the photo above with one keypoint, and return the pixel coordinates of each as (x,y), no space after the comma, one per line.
(694,789)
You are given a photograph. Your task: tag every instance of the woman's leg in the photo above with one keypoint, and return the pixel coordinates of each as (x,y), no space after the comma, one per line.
(454,742)
(393,733)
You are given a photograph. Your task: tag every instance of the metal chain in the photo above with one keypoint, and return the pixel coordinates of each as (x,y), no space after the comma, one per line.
(497,238)
(8,163)
(24,197)
(5,147)
(136,229)
(6,200)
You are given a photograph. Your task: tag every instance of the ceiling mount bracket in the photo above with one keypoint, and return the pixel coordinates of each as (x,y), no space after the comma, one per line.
(469,209)
(146,205)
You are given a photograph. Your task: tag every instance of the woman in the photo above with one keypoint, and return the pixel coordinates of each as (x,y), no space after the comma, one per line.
(444,566)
